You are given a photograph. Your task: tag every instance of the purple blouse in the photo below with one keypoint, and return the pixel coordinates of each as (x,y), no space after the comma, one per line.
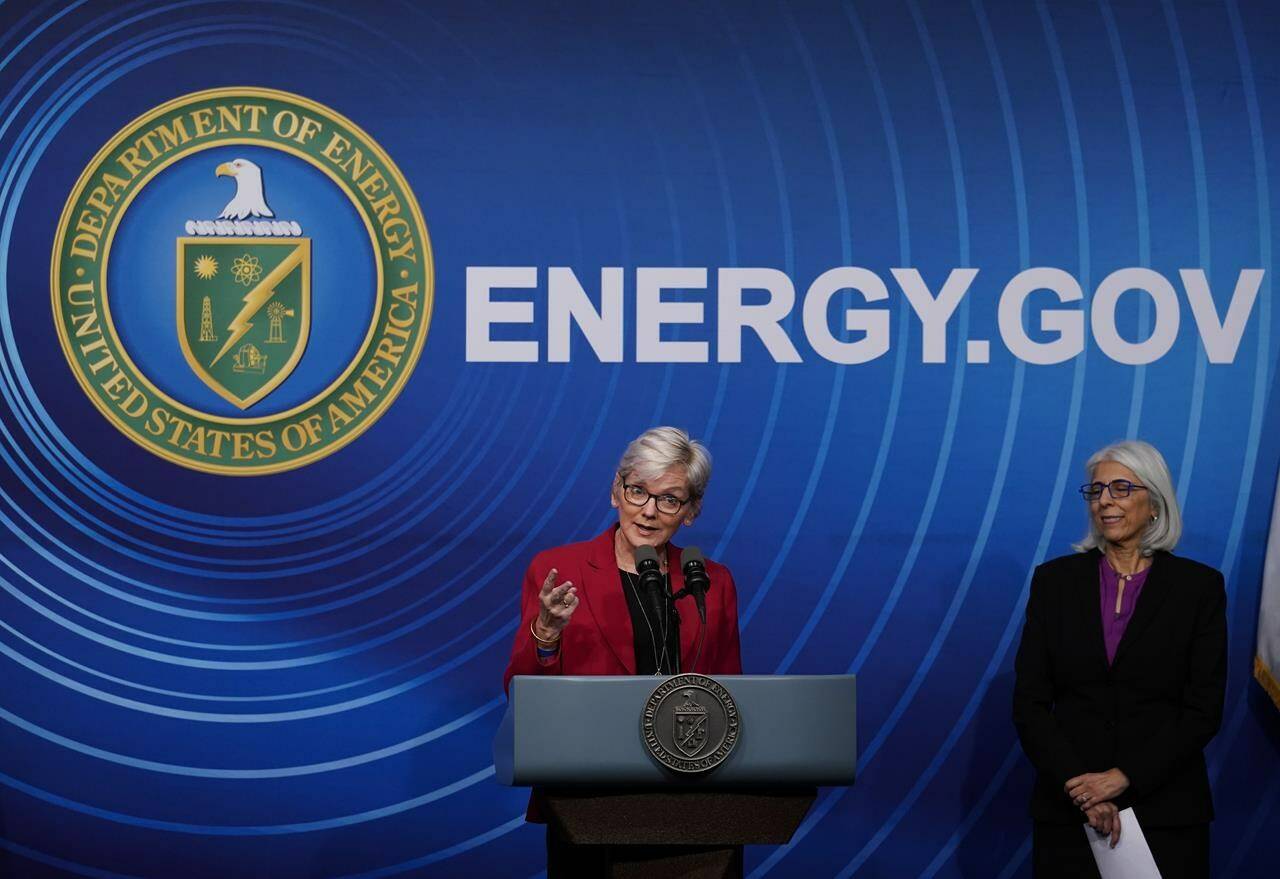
(1114,624)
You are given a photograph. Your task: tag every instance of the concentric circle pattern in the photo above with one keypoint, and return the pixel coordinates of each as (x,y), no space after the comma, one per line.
(299,674)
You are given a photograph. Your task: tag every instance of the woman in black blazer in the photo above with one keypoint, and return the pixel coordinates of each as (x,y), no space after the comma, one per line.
(1121,675)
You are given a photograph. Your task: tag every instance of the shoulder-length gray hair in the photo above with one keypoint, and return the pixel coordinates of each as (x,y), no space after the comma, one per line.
(1148,465)
(660,449)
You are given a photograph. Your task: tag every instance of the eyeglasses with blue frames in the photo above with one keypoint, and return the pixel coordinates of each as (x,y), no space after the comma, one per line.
(1117,488)
(666,503)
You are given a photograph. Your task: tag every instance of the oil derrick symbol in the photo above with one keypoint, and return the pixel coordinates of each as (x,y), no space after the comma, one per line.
(206,322)
(276,313)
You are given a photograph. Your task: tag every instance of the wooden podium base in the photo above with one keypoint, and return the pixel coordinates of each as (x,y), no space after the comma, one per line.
(568,861)
(697,834)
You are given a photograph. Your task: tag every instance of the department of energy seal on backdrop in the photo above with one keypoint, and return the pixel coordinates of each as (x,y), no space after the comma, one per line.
(295,259)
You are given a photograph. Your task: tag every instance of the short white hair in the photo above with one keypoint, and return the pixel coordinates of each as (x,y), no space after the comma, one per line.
(660,449)
(1148,465)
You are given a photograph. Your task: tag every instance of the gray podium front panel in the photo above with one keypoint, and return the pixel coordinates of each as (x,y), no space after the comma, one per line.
(795,730)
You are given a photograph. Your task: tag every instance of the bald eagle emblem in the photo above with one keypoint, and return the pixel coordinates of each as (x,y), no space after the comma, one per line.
(244,328)
(248,200)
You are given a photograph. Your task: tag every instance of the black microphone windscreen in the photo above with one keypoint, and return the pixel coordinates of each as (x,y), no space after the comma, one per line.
(646,555)
(696,580)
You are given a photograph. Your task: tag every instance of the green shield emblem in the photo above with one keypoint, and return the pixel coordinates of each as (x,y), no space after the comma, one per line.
(244,311)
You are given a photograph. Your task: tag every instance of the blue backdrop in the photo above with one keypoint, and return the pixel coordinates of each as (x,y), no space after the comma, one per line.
(299,674)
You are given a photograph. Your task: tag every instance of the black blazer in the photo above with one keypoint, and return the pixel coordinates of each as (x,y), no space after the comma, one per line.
(1150,713)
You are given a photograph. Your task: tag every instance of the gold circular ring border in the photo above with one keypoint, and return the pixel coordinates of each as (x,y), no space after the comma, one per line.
(428,269)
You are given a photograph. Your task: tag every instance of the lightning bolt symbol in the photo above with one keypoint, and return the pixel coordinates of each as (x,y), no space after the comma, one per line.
(256,298)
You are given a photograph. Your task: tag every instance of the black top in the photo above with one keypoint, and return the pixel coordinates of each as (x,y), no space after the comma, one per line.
(1150,713)
(651,656)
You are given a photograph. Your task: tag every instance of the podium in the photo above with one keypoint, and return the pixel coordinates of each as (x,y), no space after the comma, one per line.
(613,793)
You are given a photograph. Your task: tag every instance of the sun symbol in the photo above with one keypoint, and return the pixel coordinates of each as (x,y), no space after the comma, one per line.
(206,267)
(247,269)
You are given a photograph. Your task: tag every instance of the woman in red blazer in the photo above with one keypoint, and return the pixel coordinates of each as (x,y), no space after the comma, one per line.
(1121,676)
(580,607)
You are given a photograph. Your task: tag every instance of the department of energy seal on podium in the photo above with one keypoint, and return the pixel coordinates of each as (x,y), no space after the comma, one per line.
(291,251)
(690,723)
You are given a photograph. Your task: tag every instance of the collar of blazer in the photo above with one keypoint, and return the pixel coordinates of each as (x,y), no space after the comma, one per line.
(1154,594)
(602,591)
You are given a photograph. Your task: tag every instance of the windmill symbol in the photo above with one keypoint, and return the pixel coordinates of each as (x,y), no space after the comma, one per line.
(276,313)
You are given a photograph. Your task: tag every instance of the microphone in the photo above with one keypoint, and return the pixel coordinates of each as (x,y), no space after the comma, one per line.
(696,581)
(649,572)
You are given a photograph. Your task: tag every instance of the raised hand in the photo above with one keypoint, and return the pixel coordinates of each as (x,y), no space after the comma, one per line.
(558,604)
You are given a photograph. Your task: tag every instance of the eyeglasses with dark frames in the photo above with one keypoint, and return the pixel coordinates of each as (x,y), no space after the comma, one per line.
(637,496)
(1117,488)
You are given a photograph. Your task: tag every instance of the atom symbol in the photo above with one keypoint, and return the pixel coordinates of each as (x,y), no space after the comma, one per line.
(247,269)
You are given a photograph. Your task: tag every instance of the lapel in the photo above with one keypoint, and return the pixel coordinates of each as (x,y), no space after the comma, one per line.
(1089,604)
(1154,594)
(602,591)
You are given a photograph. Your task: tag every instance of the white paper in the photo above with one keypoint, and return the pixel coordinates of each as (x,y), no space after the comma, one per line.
(1131,858)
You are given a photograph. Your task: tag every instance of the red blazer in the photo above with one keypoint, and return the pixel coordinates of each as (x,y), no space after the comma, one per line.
(599,639)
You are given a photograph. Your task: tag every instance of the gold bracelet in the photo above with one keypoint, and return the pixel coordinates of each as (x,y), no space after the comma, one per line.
(543,641)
